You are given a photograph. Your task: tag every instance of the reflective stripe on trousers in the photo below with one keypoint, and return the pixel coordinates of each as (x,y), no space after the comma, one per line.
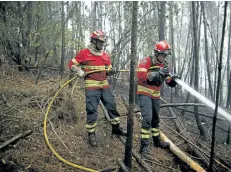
(115,121)
(91,127)
(145,134)
(155,132)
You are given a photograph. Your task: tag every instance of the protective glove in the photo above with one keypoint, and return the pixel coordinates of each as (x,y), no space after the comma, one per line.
(164,72)
(154,76)
(79,71)
(175,76)
(173,82)
(112,71)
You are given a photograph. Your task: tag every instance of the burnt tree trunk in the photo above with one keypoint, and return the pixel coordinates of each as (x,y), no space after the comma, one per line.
(128,146)
(218,87)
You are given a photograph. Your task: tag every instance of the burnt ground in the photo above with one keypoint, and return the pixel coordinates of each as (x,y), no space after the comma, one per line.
(24,104)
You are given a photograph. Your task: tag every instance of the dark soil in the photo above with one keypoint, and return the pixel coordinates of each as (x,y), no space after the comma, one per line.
(23,106)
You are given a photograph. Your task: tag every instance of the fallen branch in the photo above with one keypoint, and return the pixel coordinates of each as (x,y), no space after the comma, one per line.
(108,169)
(15,138)
(201,114)
(181,104)
(180,154)
(122,166)
(225,165)
(162,165)
(182,130)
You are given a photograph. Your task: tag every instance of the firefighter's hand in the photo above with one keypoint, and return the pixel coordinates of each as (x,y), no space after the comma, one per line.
(173,82)
(175,76)
(154,76)
(81,73)
(164,72)
(112,71)
(78,70)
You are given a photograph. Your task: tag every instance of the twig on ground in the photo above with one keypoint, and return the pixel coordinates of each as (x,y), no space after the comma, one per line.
(159,163)
(57,135)
(16,137)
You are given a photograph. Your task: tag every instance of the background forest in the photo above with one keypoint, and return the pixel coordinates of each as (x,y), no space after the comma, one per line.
(50,33)
(38,38)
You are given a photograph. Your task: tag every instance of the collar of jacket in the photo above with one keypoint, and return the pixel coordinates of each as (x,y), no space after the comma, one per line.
(154,60)
(94,51)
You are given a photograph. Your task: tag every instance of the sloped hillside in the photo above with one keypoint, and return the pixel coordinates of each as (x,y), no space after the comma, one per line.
(23,105)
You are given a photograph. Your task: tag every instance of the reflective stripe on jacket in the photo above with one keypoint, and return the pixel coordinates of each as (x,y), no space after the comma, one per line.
(146,65)
(93,84)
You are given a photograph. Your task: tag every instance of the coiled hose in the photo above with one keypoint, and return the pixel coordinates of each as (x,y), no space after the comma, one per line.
(45,124)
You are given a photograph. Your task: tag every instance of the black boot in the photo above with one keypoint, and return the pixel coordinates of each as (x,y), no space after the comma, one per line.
(92,139)
(117,130)
(159,143)
(144,147)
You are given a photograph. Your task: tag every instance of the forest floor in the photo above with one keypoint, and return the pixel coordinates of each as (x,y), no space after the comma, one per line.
(23,106)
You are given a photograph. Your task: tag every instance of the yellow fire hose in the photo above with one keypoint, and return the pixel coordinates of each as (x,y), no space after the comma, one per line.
(45,126)
(46,138)
(191,163)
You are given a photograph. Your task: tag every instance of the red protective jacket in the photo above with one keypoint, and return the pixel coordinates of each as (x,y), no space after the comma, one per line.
(144,87)
(91,62)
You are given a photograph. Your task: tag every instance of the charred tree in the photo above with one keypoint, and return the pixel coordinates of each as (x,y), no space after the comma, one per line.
(128,146)
(218,87)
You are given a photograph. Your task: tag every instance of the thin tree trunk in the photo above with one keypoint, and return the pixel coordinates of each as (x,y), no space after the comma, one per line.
(207,55)
(93,14)
(63,39)
(228,72)
(216,42)
(173,47)
(128,146)
(196,57)
(100,15)
(162,29)
(228,135)
(218,87)
(228,102)
(162,20)
(37,39)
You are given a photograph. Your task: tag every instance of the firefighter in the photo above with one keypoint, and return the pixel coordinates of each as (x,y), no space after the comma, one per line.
(152,72)
(96,84)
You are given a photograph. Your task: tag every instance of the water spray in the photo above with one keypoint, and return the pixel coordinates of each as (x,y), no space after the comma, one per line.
(203,99)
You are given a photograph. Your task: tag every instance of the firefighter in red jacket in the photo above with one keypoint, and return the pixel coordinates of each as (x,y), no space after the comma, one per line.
(152,72)
(96,84)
